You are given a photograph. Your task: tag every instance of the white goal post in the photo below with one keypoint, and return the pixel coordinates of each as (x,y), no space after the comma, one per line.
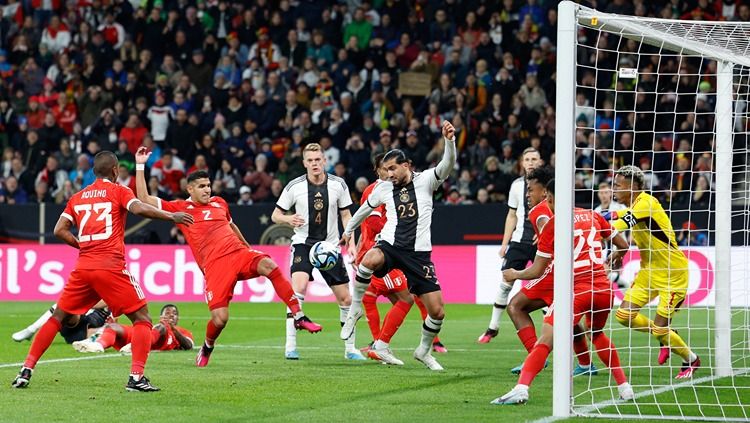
(728,44)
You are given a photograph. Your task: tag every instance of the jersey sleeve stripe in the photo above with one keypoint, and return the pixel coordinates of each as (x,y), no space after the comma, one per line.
(130,203)
(368,204)
(376,213)
(281,208)
(545,255)
(67,216)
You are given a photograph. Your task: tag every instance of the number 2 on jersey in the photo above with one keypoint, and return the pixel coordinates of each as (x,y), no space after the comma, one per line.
(104,211)
(591,243)
(206,214)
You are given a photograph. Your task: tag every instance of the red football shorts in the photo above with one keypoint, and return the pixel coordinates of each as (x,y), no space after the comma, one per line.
(541,288)
(595,306)
(222,275)
(394,281)
(86,287)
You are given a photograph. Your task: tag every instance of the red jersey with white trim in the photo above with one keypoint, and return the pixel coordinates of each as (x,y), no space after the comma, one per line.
(169,342)
(372,226)
(210,237)
(537,212)
(589,228)
(99,212)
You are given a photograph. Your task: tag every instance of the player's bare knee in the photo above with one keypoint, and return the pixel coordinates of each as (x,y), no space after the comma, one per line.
(373,259)
(266,266)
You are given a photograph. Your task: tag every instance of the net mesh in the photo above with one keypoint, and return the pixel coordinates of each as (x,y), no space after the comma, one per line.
(646,96)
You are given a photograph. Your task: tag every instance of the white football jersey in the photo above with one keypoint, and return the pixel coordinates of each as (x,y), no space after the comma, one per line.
(523,232)
(408,210)
(319,205)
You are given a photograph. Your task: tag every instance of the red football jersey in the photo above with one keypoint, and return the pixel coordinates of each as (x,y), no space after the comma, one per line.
(537,212)
(169,342)
(372,226)
(210,237)
(99,212)
(588,266)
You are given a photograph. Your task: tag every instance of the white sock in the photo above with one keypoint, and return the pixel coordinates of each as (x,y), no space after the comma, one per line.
(42,319)
(291,331)
(361,283)
(430,329)
(501,301)
(349,344)
(522,387)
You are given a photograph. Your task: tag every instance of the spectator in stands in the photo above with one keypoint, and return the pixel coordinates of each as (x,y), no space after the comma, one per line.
(258,178)
(53,177)
(124,177)
(133,132)
(83,175)
(12,193)
(41,193)
(169,170)
(245,199)
(50,133)
(691,236)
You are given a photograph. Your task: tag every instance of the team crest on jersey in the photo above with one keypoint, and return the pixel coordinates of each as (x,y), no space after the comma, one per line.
(297,259)
(404,195)
(318,203)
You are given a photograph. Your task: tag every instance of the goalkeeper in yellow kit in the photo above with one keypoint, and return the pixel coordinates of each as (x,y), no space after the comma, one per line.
(664,268)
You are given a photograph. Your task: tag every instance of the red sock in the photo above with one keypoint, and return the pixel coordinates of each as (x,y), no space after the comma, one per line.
(369,302)
(42,341)
(527,335)
(212,332)
(141,345)
(581,348)
(393,320)
(422,308)
(534,364)
(284,290)
(107,338)
(606,351)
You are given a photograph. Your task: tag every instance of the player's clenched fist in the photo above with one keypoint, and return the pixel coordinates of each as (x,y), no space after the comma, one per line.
(142,155)
(448,130)
(182,218)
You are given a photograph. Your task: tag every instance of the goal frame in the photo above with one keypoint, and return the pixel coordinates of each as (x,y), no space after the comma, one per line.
(569,16)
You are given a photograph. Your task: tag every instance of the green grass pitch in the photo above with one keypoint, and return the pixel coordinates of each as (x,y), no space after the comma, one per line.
(248,378)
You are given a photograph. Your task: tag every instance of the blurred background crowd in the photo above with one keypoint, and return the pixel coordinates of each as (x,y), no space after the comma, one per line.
(238,87)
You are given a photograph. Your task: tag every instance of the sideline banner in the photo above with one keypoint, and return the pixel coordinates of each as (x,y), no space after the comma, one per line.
(467,274)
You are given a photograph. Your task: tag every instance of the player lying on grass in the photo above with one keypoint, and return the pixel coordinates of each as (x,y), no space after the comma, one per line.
(664,267)
(538,293)
(165,336)
(393,285)
(222,253)
(404,242)
(87,325)
(99,212)
(592,296)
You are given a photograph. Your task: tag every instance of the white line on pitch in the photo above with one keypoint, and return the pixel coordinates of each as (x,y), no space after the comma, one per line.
(62,360)
(604,404)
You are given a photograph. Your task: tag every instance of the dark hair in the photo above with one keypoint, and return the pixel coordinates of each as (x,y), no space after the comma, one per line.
(198,174)
(104,161)
(377,160)
(541,175)
(395,154)
(166,306)
(551,186)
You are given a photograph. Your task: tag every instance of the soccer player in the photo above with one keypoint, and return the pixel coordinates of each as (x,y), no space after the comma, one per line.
(518,247)
(664,268)
(592,296)
(393,285)
(538,293)
(93,319)
(99,212)
(319,200)
(165,336)
(405,239)
(222,253)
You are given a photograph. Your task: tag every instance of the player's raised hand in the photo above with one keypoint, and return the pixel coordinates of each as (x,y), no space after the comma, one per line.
(182,218)
(448,130)
(296,220)
(142,155)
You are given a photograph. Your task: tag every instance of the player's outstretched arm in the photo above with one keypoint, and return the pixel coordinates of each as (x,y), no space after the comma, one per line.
(62,232)
(141,157)
(446,164)
(141,209)
(294,220)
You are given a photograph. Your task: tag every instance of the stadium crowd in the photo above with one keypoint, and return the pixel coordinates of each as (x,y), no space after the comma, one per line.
(239,87)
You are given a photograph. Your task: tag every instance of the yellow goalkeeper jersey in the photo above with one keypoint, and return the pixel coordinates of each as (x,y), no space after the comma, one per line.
(653,234)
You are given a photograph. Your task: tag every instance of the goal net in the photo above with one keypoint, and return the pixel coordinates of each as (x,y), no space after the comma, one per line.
(672,98)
